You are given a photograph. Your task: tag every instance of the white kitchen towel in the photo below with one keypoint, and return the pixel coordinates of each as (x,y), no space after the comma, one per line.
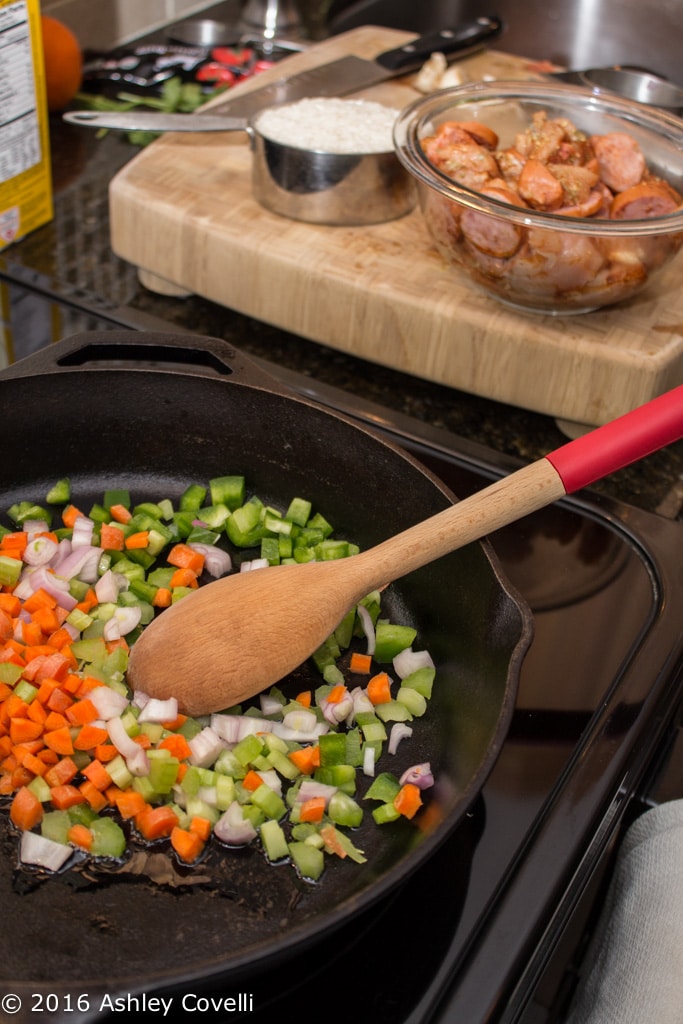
(633,969)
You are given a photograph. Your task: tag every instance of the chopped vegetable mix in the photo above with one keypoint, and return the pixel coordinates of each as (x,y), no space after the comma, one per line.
(82,759)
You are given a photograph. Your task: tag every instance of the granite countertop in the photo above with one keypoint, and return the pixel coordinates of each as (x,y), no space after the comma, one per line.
(71,259)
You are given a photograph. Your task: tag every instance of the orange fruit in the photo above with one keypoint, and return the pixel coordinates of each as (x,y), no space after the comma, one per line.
(63,63)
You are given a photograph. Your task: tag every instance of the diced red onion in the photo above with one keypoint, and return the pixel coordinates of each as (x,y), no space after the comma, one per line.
(361,701)
(301,725)
(399,731)
(136,759)
(408,661)
(156,710)
(338,711)
(233,828)
(43,852)
(310,789)
(208,795)
(109,703)
(368,759)
(36,526)
(233,728)
(44,579)
(122,622)
(82,532)
(419,774)
(40,551)
(205,747)
(109,586)
(270,705)
(272,780)
(368,627)
(217,562)
(255,563)
(82,563)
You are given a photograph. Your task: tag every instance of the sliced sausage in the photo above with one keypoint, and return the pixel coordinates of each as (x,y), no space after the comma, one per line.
(620,159)
(539,186)
(646,199)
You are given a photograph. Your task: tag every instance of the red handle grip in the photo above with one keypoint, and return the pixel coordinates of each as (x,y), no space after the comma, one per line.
(617,444)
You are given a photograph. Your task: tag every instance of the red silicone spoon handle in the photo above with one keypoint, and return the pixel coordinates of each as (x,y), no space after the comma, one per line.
(611,447)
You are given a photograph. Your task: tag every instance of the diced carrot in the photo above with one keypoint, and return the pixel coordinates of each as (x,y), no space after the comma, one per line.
(60,638)
(47,619)
(33,764)
(176,724)
(45,690)
(163,598)
(65,796)
(184,578)
(111,537)
(89,736)
(137,541)
(130,803)
(330,837)
(47,756)
(361,664)
(88,602)
(36,712)
(39,599)
(408,800)
(307,759)
(185,557)
(26,810)
(55,721)
(120,514)
(142,740)
(252,780)
(60,741)
(156,822)
(61,772)
(188,845)
(6,785)
(97,774)
(59,700)
(15,707)
(10,604)
(23,729)
(80,835)
(105,752)
(202,826)
(31,634)
(97,800)
(177,744)
(336,694)
(21,776)
(313,809)
(304,698)
(70,515)
(82,712)
(379,688)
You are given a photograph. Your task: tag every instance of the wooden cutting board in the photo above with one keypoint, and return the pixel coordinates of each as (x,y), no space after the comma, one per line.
(183,213)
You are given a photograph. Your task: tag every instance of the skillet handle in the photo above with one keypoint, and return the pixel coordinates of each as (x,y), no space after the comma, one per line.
(184,353)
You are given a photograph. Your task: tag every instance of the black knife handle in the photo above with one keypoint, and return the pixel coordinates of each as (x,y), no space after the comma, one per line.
(468,37)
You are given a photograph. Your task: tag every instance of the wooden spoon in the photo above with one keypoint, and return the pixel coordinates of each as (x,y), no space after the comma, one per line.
(238,635)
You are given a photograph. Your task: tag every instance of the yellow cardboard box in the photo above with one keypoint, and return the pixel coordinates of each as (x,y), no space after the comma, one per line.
(25,177)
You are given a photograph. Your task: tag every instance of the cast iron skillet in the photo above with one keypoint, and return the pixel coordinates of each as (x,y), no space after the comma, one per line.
(155,412)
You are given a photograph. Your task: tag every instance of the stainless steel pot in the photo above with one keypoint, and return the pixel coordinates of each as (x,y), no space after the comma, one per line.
(301,184)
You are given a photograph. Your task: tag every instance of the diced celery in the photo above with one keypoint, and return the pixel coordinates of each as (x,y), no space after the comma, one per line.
(227,764)
(40,789)
(343,810)
(248,748)
(118,772)
(332,749)
(92,651)
(9,672)
(225,791)
(274,840)
(59,493)
(25,691)
(197,808)
(268,801)
(228,490)
(385,813)
(55,825)
(82,814)
(309,861)
(333,674)
(396,710)
(412,700)
(421,680)
(10,570)
(192,498)
(163,773)
(354,750)
(371,727)
(344,631)
(142,784)
(109,839)
(341,775)
(383,788)
(391,639)
(282,764)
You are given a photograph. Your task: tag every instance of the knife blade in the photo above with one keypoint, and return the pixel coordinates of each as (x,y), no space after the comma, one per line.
(351,74)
